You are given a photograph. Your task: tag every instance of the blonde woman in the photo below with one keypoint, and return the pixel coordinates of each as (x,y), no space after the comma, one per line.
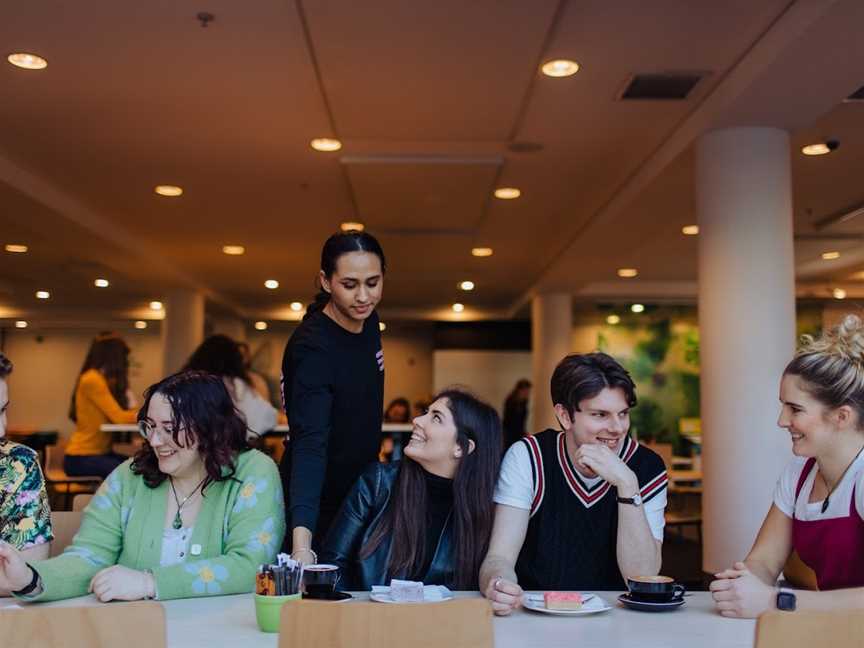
(818,508)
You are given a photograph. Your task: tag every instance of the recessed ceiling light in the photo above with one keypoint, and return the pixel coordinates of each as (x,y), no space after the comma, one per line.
(326,144)
(466,285)
(382,326)
(839,293)
(140,325)
(481,251)
(156,305)
(507,193)
(27,61)
(560,68)
(830,256)
(627,273)
(820,148)
(21,324)
(352,225)
(458,308)
(43,294)
(101,283)
(637,308)
(296,306)
(272,284)
(690,230)
(16,248)
(260,326)
(233,250)
(168,190)
(613,320)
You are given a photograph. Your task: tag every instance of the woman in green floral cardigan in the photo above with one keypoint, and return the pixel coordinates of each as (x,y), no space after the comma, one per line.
(193,514)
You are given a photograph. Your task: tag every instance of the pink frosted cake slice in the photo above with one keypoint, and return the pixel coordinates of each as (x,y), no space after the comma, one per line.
(562,600)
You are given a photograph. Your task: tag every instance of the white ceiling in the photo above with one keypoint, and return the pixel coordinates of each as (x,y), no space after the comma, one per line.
(428,99)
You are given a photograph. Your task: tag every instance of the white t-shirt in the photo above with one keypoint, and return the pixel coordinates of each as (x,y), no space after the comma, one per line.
(838,506)
(516,488)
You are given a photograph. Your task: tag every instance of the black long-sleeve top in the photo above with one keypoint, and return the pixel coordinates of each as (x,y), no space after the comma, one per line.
(333,390)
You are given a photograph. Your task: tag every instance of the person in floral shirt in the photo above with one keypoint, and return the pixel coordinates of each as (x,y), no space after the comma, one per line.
(25,518)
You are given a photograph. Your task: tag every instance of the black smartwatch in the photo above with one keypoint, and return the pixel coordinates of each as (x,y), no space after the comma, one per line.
(32,586)
(786,599)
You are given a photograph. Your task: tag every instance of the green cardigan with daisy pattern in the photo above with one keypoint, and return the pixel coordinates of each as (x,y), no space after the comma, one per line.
(241,525)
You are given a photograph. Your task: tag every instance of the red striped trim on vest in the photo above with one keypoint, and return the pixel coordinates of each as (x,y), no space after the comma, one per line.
(589,497)
(536,461)
(654,486)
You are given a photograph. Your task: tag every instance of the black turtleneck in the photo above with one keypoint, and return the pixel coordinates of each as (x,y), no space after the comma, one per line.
(439,505)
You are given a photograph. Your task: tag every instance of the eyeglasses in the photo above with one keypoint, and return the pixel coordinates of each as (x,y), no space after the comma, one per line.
(147,429)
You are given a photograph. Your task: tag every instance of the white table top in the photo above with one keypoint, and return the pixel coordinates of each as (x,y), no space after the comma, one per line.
(230,621)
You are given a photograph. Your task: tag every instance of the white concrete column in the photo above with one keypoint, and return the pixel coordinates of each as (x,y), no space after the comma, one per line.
(551,334)
(182,328)
(747,329)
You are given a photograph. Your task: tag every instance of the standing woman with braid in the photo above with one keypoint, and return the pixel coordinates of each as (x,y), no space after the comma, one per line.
(333,390)
(818,509)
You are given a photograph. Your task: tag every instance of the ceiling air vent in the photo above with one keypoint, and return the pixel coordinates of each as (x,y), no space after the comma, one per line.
(858,95)
(671,86)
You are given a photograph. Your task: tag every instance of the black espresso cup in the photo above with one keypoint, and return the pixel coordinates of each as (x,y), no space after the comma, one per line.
(320,580)
(655,589)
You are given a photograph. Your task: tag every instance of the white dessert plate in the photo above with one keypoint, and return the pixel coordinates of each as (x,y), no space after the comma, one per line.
(591,604)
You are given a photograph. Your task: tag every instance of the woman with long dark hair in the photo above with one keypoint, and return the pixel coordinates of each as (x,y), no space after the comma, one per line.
(193,514)
(428,517)
(333,389)
(100,396)
(221,356)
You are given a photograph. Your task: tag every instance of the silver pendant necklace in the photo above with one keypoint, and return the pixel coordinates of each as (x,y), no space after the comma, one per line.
(837,483)
(178,519)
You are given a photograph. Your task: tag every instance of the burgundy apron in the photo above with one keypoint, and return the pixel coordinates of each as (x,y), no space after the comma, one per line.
(834,548)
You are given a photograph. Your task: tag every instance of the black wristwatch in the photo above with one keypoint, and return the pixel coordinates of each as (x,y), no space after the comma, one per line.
(32,586)
(636,500)
(786,599)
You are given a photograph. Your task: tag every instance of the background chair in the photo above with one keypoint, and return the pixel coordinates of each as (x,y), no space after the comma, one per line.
(807,629)
(131,625)
(65,524)
(80,501)
(61,483)
(463,623)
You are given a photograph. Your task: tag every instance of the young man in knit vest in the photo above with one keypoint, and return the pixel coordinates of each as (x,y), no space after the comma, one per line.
(580,508)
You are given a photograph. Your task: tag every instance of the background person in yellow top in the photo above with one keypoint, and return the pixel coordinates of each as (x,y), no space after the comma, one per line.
(100,396)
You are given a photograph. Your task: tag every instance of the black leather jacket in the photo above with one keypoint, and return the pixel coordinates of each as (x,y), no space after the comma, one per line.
(354,524)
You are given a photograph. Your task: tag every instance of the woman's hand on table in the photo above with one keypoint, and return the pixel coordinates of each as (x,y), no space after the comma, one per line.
(15,573)
(504,596)
(120,583)
(741,594)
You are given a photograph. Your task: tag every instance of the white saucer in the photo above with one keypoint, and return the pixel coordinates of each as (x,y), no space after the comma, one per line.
(383,596)
(592,604)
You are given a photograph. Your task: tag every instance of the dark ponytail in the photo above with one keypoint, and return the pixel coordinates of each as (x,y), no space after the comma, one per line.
(337,245)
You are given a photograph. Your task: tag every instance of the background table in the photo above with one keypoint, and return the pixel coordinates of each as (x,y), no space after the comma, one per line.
(230,621)
(36,439)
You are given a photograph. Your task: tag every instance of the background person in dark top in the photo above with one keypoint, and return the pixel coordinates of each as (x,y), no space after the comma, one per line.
(428,517)
(515,412)
(333,389)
